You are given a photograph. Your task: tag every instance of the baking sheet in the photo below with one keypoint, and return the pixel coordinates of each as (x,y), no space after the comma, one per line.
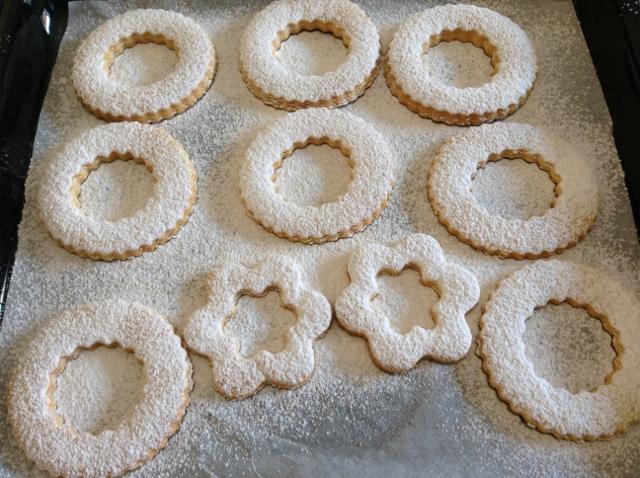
(351,419)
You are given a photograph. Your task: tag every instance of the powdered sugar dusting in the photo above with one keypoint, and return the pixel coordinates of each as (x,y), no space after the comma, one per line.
(351,418)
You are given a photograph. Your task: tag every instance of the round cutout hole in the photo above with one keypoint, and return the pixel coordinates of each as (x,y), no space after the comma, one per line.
(513,188)
(312,53)
(458,64)
(260,323)
(117,189)
(99,389)
(568,347)
(143,64)
(313,175)
(404,300)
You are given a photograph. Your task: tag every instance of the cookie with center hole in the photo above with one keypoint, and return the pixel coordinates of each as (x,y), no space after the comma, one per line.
(510,51)
(234,375)
(568,219)
(61,449)
(457,290)
(584,416)
(180,88)
(276,85)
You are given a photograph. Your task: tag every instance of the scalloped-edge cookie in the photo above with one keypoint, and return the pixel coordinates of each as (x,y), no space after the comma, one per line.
(278,86)
(367,194)
(164,214)
(568,219)
(180,89)
(512,57)
(60,448)
(235,376)
(457,290)
(587,415)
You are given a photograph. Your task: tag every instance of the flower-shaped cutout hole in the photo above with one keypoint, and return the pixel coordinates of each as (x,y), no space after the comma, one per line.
(461,58)
(314,173)
(448,341)
(113,187)
(95,389)
(308,49)
(570,347)
(405,299)
(516,184)
(236,376)
(141,60)
(261,322)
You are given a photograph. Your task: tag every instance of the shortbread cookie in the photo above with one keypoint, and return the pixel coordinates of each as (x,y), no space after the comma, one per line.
(157,222)
(567,221)
(457,290)
(236,376)
(586,415)
(362,203)
(180,89)
(505,43)
(57,446)
(282,88)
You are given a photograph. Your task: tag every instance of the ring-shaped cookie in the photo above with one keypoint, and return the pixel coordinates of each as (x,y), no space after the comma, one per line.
(278,86)
(457,289)
(158,221)
(364,200)
(60,448)
(505,43)
(567,221)
(235,376)
(180,89)
(586,415)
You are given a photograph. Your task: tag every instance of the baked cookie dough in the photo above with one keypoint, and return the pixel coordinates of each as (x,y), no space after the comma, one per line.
(161,218)
(58,447)
(278,86)
(505,43)
(180,89)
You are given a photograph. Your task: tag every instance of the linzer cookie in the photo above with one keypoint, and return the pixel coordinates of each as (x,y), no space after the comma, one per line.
(587,415)
(236,376)
(505,43)
(60,448)
(457,290)
(568,219)
(180,89)
(165,213)
(364,200)
(282,88)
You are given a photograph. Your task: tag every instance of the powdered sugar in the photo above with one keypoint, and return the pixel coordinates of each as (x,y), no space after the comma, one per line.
(350,418)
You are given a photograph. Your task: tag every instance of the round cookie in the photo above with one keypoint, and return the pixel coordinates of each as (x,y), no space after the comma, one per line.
(180,89)
(63,450)
(235,376)
(505,43)
(160,219)
(567,221)
(367,194)
(457,290)
(587,415)
(278,86)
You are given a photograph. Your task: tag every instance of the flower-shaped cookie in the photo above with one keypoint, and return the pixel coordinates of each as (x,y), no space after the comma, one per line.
(236,376)
(457,289)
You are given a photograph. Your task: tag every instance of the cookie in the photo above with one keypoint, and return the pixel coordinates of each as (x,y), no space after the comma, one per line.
(505,43)
(58,447)
(282,88)
(567,221)
(235,376)
(457,290)
(367,195)
(180,89)
(175,192)
(587,415)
